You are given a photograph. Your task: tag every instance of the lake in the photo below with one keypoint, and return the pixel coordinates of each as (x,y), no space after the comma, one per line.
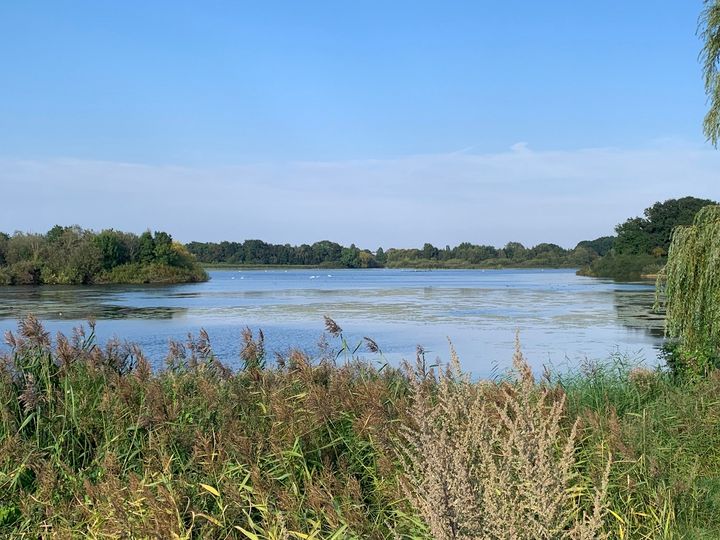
(563,319)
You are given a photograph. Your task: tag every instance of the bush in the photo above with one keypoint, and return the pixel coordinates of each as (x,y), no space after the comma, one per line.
(152,273)
(622,267)
(494,461)
(25,273)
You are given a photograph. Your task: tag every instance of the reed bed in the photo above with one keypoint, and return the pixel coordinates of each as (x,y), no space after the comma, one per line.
(94,443)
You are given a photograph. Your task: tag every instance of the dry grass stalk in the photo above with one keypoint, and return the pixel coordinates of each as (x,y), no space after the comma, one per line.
(492,461)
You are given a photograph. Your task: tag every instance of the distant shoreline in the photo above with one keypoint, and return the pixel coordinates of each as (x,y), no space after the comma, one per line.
(230,266)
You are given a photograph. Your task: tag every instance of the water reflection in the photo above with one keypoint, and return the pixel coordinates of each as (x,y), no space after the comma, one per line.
(635,311)
(77,303)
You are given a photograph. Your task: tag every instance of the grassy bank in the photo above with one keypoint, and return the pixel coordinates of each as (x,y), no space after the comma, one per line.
(94,443)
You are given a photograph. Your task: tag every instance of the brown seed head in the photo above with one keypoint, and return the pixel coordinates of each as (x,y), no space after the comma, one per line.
(332,327)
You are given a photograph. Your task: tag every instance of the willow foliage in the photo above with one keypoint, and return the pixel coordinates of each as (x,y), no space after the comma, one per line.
(692,287)
(710,57)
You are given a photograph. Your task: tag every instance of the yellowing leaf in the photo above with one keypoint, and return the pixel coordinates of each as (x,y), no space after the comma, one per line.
(247,533)
(210,489)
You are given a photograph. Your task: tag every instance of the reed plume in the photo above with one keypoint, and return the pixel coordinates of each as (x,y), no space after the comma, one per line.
(492,461)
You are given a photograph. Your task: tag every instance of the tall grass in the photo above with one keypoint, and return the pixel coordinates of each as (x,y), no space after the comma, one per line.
(664,434)
(93,443)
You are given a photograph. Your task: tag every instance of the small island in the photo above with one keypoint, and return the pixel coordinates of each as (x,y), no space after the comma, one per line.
(77,256)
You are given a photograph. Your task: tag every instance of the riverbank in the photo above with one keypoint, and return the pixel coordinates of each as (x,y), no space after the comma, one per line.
(93,443)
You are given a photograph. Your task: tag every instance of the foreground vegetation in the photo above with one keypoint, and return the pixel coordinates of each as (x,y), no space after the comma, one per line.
(93,443)
(75,256)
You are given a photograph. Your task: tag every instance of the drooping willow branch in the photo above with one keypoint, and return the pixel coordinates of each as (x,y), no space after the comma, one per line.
(692,282)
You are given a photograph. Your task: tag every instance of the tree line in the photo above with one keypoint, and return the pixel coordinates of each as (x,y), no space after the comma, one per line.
(332,254)
(257,252)
(73,255)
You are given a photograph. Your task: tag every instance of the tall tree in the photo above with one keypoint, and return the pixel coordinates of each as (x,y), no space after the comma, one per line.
(710,56)
(692,289)
(164,252)
(642,235)
(112,249)
(4,239)
(146,247)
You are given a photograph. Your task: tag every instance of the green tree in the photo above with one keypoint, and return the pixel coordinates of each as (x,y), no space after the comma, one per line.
(663,217)
(70,256)
(366,259)
(710,56)
(24,247)
(146,248)
(601,246)
(430,252)
(55,234)
(164,252)
(632,237)
(4,239)
(257,252)
(515,250)
(326,251)
(692,290)
(113,250)
(641,235)
(380,256)
(350,257)
(582,256)
(131,245)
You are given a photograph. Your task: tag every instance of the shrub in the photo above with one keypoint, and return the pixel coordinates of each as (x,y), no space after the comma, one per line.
(493,461)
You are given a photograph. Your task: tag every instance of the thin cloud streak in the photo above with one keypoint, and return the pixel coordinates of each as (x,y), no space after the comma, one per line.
(522,194)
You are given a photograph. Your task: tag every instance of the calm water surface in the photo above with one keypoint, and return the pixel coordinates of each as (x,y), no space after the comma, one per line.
(562,318)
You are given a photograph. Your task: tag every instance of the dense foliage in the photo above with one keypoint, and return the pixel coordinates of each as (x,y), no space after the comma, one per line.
(331,254)
(710,55)
(652,233)
(93,443)
(257,252)
(514,254)
(692,292)
(601,246)
(72,255)
(642,243)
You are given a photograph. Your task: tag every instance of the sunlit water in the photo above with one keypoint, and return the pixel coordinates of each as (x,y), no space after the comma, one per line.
(562,318)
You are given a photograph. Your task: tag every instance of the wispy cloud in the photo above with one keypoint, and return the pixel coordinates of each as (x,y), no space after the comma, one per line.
(520,194)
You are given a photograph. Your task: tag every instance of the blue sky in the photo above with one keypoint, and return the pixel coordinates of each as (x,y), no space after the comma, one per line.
(379,123)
